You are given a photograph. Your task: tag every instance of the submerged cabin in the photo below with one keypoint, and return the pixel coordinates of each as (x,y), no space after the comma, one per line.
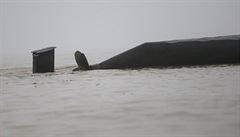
(43,60)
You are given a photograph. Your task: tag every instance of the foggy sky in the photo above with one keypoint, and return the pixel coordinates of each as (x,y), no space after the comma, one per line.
(97,27)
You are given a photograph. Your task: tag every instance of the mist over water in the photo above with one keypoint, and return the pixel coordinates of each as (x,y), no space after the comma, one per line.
(106,28)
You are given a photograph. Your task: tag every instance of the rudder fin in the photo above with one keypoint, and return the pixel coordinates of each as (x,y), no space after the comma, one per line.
(81,61)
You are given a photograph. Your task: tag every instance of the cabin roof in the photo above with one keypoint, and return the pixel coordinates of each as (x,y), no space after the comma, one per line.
(43,50)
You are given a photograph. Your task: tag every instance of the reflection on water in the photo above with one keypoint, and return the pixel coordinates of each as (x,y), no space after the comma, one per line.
(197,101)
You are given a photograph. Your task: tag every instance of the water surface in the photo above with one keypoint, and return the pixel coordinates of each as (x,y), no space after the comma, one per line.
(188,101)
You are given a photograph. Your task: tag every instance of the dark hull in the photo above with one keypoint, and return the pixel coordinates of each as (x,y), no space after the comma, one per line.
(207,51)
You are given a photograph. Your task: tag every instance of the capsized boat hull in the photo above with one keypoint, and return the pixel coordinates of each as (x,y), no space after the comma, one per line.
(204,51)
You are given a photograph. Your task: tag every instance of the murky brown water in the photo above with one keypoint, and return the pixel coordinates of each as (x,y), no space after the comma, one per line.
(200,101)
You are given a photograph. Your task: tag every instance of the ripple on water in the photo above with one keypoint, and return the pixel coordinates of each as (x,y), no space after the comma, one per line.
(183,101)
